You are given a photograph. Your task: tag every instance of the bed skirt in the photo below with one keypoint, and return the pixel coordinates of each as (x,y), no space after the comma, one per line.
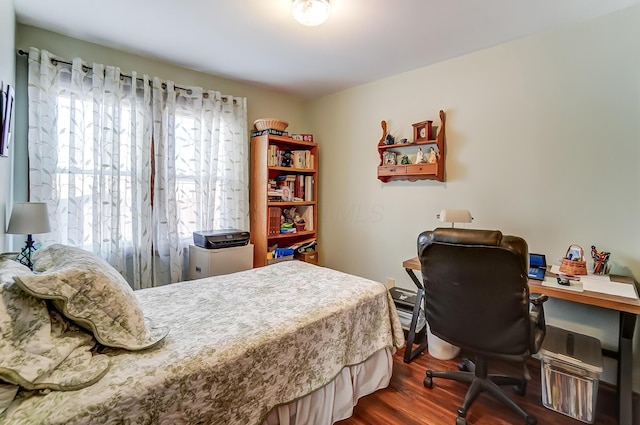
(335,401)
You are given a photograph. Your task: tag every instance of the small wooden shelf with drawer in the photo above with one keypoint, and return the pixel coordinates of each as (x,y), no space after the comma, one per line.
(412,172)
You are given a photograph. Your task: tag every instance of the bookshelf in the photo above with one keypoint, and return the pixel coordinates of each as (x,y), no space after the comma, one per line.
(284,175)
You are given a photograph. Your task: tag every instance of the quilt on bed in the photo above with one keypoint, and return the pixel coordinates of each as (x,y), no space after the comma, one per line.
(238,345)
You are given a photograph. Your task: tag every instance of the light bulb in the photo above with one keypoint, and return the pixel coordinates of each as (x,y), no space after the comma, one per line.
(310,12)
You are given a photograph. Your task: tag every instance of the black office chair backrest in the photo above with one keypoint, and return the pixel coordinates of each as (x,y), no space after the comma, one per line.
(476,290)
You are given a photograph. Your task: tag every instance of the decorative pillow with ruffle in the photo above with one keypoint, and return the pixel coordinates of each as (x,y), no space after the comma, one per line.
(91,293)
(40,349)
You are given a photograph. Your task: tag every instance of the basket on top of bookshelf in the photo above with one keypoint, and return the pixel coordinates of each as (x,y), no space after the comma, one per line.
(270,123)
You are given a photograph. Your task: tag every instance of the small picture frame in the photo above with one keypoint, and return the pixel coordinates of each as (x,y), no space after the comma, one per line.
(422,131)
(287,195)
(390,158)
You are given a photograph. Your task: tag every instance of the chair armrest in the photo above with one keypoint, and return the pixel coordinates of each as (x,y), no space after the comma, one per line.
(538,299)
(538,327)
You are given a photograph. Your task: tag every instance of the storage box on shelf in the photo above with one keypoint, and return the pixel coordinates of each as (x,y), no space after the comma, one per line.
(308,257)
(284,175)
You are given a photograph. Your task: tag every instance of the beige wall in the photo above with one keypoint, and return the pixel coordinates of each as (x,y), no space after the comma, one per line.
(7,76)
(542,142)
(261,102)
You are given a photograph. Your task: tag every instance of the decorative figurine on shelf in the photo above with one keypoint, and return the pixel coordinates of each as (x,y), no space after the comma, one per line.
(286,159)
(287,224)
(405,160)
(289,214)
(420,156)
(433,156)
(389,139)
(600,261)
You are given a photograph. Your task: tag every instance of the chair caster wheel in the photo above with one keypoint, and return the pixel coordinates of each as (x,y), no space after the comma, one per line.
(428,382)
(520,389)
(462,416)
(531,420)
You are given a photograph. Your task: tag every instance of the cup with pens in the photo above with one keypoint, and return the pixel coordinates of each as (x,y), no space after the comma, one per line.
(600,261)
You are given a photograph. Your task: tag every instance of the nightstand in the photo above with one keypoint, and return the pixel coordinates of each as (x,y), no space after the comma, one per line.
(213,262)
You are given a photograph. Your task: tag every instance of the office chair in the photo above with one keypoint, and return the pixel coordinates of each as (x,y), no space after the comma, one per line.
(477,298)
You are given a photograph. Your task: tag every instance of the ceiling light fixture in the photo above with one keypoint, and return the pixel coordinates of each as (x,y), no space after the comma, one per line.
(310,12)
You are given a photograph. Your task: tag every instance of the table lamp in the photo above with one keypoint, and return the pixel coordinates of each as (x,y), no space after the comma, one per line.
(28,218)
(454,216)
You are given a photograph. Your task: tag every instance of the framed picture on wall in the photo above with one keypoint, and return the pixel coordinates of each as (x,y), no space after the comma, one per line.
(7,97)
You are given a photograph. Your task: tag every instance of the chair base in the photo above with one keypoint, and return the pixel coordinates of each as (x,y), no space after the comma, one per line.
(476,375)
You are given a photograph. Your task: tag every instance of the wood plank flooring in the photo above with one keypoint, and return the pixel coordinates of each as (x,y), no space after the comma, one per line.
(406,401)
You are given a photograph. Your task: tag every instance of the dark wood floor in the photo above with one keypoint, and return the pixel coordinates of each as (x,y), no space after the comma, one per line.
(406,401)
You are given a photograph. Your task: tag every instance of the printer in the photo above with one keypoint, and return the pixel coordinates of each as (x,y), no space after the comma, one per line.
(224,238)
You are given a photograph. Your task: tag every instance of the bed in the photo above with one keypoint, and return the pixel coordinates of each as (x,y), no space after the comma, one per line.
(290,343)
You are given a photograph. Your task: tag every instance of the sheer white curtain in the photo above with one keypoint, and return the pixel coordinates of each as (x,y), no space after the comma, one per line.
(90,159)
(201,164)
(92,132)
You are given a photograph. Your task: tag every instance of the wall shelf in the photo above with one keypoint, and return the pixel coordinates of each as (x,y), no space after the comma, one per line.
(412,172)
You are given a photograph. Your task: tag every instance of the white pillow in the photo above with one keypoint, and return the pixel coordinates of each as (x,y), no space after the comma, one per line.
(91,293)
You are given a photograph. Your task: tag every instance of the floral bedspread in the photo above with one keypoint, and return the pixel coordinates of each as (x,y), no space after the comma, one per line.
(238,345)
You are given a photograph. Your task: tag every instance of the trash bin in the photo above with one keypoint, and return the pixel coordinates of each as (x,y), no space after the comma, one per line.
(571,364)
(440,349)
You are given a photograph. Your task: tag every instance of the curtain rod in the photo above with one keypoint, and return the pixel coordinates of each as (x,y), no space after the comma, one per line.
(86,67)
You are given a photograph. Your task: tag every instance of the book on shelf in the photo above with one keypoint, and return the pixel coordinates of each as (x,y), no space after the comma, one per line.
(304,245)
(302,137)
(300,159)
(272,156)
(308,188)
(269,131)
(274,221)
(299,187)
(306,213)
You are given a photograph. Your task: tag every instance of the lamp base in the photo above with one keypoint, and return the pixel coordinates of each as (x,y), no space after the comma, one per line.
(25,255)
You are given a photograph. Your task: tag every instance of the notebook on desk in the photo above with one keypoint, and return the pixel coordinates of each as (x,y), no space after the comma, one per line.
(537,266)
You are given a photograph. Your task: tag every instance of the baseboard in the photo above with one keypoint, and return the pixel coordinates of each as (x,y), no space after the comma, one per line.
(635,400)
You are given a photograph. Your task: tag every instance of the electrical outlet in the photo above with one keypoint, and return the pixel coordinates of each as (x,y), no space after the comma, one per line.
(391,282)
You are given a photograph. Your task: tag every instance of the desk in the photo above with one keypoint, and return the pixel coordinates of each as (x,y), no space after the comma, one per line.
(628,309)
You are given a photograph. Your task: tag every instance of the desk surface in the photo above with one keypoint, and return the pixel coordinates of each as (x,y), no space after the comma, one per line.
(598,299)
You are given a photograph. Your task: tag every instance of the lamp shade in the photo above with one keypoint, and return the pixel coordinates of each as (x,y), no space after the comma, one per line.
(455,216)
(28,218)
(310,12)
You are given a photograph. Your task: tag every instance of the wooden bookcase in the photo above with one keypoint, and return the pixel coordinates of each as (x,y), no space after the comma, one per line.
(263,210)
(412,172)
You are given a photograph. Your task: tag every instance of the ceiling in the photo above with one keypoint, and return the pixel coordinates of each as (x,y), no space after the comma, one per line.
(258,42)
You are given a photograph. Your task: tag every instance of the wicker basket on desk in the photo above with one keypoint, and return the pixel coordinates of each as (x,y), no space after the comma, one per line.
(571,266)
